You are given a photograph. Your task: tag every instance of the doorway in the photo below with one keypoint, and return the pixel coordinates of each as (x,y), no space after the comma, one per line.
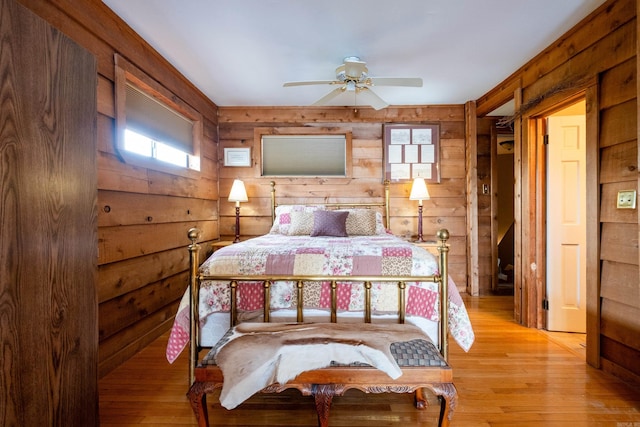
(565,303)
(530,212)
(504,212)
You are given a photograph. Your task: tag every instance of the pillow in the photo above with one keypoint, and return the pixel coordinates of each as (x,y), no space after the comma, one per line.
(380,228)
(361,222)
(283,217)
(330,223)
(301,223)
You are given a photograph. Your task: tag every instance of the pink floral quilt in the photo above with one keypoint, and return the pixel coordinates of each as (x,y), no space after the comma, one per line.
(377,255)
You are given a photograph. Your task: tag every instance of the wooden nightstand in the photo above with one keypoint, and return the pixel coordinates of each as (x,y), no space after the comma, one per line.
(430,245)
(220,244)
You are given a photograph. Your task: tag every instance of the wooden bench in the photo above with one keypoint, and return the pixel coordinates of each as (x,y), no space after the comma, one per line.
(422,365)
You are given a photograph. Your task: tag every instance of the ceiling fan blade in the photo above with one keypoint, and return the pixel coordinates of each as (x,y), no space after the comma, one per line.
(328,97)
(366,96)
(316,82)
(396,81)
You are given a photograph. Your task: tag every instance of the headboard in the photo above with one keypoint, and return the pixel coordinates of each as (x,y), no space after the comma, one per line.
(384,205)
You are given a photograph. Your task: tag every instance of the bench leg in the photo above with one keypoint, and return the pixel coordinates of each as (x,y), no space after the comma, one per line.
(419,400)
(197,395)
(448,396)
(323,395)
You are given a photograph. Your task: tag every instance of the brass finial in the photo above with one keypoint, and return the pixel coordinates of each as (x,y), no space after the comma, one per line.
(443,234)
(194,234)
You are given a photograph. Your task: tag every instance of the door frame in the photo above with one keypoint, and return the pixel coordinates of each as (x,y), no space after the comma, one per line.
(530,208)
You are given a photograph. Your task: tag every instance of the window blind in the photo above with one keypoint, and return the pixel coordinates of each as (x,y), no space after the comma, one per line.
(151,118)
(304,155)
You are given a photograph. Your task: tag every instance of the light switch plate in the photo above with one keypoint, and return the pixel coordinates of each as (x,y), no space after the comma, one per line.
(626,199)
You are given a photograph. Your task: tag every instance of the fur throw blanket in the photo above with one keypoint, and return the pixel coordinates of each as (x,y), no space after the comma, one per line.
(260,354)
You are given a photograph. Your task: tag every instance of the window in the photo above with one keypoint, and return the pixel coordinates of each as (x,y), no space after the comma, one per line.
(307,152)
(155,129)
(135,142)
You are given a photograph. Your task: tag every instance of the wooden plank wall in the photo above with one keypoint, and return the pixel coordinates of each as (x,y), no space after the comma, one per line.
(143,215)
(445,209)
(602,48)
(48,312)
(484,129)
(620,281)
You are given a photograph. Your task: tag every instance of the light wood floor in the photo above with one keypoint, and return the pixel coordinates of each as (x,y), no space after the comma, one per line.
(511,376)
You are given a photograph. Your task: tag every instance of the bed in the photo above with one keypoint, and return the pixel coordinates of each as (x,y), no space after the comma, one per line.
(320,264)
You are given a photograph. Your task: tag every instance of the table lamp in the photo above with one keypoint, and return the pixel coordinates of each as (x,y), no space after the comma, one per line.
(419,192)
(238,194)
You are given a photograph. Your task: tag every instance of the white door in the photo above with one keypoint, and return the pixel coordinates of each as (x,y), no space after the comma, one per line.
(566,230)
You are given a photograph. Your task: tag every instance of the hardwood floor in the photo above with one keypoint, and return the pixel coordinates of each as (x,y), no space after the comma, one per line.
(511,376)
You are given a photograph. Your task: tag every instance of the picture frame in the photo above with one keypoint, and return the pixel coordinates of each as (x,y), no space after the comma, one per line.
(411,151)
(237,157)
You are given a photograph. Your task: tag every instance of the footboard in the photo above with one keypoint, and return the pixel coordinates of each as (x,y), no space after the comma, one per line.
(366,281)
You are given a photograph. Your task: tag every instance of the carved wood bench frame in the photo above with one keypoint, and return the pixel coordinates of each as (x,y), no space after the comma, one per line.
(325,383)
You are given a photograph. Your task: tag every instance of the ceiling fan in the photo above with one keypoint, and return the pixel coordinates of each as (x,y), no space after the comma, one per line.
(352,76)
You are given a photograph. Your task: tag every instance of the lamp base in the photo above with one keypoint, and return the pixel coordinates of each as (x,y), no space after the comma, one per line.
(237,224)
(420,239)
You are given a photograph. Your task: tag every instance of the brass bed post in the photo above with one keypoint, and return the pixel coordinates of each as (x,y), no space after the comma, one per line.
(194,292)
(273,201)
(266,306)
(334,302)
(367,302)
(402,286)
(387,218)
(233,309)
(300,308)
(443,250)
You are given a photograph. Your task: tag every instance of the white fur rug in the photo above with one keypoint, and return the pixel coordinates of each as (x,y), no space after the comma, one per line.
(261,354)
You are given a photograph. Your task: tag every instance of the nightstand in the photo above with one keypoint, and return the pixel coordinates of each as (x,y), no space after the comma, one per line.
(220,244)
(429,245)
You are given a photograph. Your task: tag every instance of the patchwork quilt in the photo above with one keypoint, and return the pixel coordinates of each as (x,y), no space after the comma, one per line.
(277,254)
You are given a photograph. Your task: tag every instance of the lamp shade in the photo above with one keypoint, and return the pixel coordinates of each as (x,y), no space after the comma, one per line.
(419,190)
(238,192)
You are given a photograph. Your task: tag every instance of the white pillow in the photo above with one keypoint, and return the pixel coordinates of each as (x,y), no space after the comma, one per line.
(282,222)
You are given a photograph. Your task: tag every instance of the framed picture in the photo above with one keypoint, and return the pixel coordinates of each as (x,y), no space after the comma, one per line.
(238,157)
(412,151)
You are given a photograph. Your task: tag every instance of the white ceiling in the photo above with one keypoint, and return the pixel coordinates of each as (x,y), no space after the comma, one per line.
(240,52)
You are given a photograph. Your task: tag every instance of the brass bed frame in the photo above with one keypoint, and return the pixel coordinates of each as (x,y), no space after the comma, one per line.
(327,382)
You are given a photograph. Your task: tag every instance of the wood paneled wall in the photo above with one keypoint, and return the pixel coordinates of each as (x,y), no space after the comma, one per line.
(445,209)
(485,127)
(619,280)
(48,250)
(600,52)
(143,215)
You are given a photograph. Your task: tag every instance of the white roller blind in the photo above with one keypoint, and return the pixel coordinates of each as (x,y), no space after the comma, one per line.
(304,155)
(151,118)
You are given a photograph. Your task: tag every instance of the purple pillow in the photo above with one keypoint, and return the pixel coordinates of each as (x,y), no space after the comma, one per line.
(330,223)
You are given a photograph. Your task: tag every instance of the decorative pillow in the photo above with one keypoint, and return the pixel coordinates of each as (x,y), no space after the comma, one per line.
(361,222)
(301,224)
(330,223)
(283,217)
(380,228)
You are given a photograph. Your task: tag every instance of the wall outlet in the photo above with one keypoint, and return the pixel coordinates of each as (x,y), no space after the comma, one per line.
(626,199)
